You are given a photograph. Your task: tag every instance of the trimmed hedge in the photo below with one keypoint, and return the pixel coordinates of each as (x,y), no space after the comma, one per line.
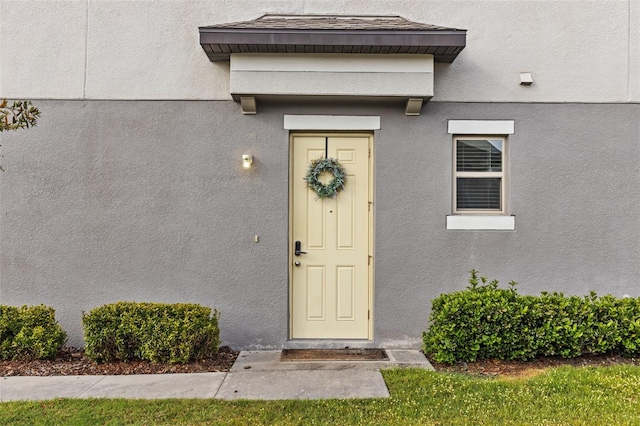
(157,332)
(29,332)
(485,321)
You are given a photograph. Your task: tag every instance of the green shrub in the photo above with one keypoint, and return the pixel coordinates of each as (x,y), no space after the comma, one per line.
(627,321)
(157,332)
(485,321)
(29,332)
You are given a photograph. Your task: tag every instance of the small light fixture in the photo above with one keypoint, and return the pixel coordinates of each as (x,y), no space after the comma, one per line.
(526,79)
(247,160)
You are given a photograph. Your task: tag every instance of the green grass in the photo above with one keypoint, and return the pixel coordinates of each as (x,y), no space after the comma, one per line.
(562,396)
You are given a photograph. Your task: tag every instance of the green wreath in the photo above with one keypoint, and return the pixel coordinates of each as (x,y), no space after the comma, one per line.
(325,165)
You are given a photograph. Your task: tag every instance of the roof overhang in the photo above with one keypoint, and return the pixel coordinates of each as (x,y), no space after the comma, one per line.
(220,43)
(332,34)
(357,57)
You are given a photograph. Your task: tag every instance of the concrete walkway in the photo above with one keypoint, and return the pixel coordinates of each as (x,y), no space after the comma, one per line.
(255,375)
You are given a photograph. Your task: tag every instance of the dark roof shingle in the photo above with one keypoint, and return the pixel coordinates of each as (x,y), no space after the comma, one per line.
(331,34)
(332,22)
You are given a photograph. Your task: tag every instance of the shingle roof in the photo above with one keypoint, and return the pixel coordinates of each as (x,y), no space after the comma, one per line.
(331,34)
(333,22)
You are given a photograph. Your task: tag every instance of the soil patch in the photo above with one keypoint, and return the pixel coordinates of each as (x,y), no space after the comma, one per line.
(496,367)
(73,362)
(289,355)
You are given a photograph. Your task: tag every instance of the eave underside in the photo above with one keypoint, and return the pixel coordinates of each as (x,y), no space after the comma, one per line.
(220,43)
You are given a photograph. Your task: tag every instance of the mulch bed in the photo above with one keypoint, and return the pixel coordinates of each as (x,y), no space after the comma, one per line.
(496,367)
(73,362)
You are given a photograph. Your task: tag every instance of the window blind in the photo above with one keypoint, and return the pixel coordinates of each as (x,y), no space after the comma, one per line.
(479,155)
(478,193)
(479,174)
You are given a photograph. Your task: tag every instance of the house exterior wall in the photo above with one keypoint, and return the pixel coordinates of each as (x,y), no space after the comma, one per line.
(586,51)
(146,200)
(131,186)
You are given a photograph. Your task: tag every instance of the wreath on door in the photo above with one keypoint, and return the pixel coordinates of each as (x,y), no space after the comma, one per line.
(316,168)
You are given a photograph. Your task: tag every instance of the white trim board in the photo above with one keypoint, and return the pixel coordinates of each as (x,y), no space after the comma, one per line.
(481,223)
(331,122)
(361,75)
(481,127)
(341,62)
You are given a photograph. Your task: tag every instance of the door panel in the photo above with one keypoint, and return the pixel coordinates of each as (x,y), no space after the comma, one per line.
(330,289)
(346,293)
(316,293)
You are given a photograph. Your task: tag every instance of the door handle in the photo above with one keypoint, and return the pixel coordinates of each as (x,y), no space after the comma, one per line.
(297,251)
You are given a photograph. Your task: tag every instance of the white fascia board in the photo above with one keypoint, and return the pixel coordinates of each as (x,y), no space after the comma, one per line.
(331,122)
(481,223)
(353,84)
(481,127)
(322,62)
(361,75)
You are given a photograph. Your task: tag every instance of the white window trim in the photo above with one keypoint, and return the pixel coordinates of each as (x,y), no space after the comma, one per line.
(481,223)
(487,221)
(331,122)
(481,127)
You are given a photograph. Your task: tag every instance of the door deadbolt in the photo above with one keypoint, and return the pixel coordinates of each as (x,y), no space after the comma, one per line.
(296,249)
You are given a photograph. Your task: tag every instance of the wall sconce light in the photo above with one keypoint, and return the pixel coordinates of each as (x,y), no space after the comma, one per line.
(247,160)
(526,79)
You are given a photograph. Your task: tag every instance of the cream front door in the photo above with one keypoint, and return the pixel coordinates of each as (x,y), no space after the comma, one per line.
(330,283)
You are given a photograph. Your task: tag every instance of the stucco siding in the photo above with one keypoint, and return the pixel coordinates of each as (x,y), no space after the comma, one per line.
(147,200)
(586,51)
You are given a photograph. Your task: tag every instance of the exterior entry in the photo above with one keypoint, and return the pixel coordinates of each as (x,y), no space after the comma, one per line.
(330,286)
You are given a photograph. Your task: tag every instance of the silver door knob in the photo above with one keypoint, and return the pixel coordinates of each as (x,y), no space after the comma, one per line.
(296,263)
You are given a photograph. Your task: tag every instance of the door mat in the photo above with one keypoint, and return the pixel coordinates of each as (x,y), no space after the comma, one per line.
(289,355)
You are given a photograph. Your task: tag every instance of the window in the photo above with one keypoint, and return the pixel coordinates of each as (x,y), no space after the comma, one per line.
(480,164)
(479,174)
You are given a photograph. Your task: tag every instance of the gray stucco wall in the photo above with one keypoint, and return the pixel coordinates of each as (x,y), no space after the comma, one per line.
(146,200)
